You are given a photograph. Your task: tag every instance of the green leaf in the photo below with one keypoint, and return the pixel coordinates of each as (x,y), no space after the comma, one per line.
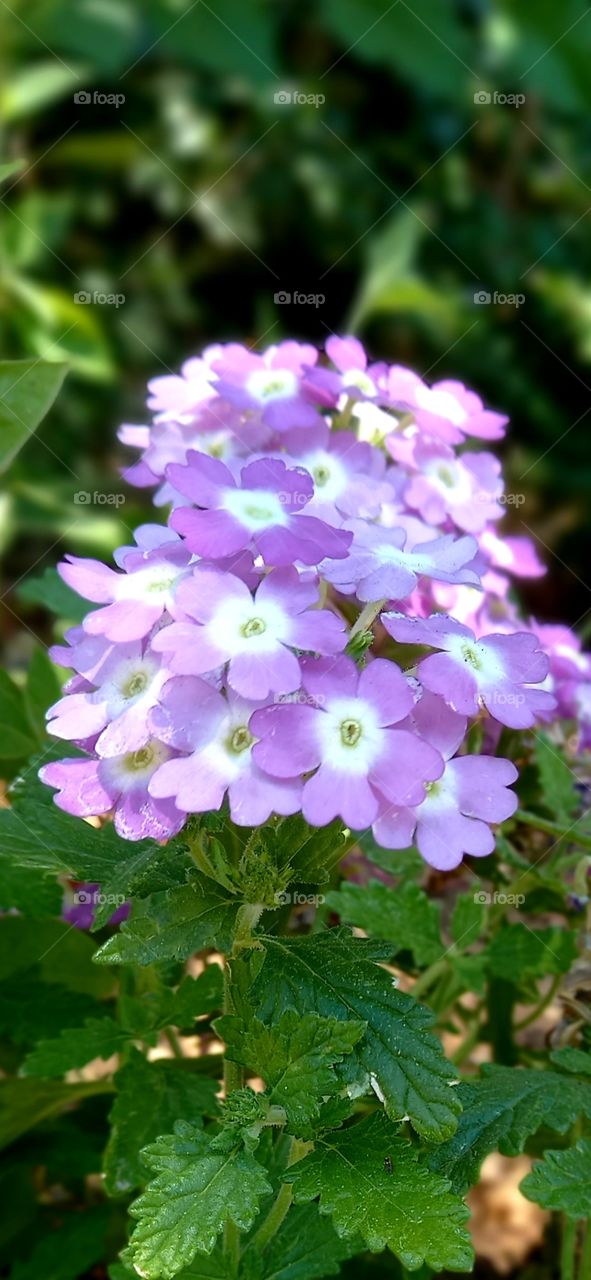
(25,1103)
(16,739)
(562,1181)
(171,926)
(557,780)
(28,389)
(7,170)
(57,952)
(199,1186)
(467,920)
(405,916)
(411,1210)
(196,996)
(306,1247)
(71,1251)
(151,1096)
(516,952)
(575,1060)
(28,891)
(52,593)
(295,1058)
(500,1112)
(41,690)
(30,1009)
(74,1047)
(337,976)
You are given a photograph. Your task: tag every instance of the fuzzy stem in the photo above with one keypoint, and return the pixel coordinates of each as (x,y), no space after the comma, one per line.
(281,1206)
(426,980)
(174,1042)
(368,615)
(553,828)
(541,1005)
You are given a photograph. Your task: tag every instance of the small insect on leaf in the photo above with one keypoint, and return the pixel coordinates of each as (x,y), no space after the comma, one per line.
(388,1166)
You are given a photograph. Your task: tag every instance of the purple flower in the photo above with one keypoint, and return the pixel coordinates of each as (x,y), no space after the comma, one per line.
(255,636)
(450,411)
(128,678)
(378,567)
(472,792)
(197,719)
(178,397)
(358,378)
(134,600)
(465,489)
(90,788)
(272,383)
(495,671)
(264,510)
(348,732)
(348,474)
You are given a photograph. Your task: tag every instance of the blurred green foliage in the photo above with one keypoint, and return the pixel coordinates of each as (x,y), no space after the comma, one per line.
(199,196)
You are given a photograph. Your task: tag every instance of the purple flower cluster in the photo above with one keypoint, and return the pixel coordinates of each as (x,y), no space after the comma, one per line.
(311,494)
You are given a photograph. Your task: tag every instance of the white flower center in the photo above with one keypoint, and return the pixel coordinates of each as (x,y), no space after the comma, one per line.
(328,473)
(128,684)
(451,480)
(272,384)
(361,380)
(255,508)
(149,585)
(136,767)
(350,735)
(248,628)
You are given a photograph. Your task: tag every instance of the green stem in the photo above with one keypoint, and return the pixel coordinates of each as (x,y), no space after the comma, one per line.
(541,1005)
(427,979)
(585,1263)
(174,1042)
(280,1208)
(464,1050)
(553,828)
(567,1252)
(366,617)
(246,920)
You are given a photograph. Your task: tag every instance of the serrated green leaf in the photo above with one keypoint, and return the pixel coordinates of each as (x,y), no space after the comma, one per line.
(410,1211)
(562,1181)
(74,1047)
(570,1059)
(501,1110)
(405,916)
(28,389)
(171,926)
(557,780)
(30,1009)
(25,1103)
(199,1186)
(467,919)
(26,890)
(517,952)
(151,1096)
(296,1059)
(336,975)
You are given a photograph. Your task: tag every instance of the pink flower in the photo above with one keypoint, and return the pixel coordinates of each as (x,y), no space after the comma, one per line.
(454,817)
(135,600)
(348,733)
(255,636)
(464,489)
(378,566)
(265,509)
(90,788)
(496,671)
(272,383)
(215,731)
